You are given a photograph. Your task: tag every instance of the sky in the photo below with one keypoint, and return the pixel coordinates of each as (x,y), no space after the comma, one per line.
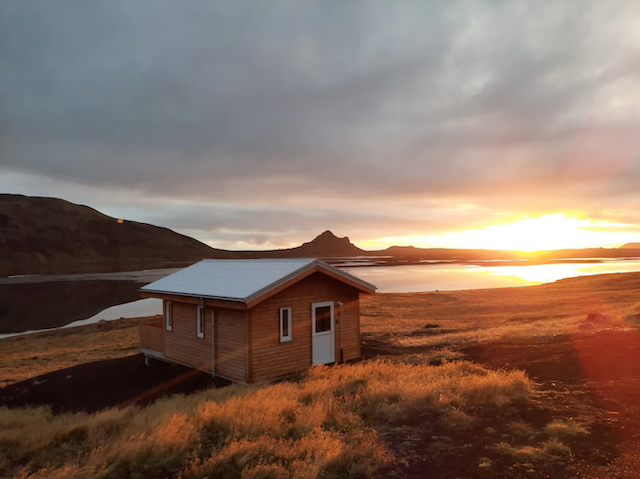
(253,125)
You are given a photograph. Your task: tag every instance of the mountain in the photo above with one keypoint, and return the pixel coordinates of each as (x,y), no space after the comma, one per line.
(328,244)
(325,245)
(52,235)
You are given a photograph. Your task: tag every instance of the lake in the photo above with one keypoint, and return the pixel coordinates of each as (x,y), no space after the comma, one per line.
(34,303)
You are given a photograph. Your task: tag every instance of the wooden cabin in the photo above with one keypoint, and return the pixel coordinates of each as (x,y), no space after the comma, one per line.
(250,320)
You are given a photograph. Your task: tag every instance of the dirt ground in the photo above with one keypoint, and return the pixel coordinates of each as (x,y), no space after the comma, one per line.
(593,379)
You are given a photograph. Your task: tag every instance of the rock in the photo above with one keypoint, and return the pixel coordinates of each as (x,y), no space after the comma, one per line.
(587,326)
(489,430)
(431,326)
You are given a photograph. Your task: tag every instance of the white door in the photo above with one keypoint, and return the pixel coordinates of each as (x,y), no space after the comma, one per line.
(323,335)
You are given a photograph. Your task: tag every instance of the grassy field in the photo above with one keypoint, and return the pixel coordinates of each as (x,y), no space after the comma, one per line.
(418,409)
(459,318)
(323,425)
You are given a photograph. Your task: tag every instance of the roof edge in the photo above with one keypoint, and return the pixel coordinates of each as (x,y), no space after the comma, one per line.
(192,295)
(349,276)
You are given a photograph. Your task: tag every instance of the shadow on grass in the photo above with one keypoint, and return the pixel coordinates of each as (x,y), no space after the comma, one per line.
(95,386)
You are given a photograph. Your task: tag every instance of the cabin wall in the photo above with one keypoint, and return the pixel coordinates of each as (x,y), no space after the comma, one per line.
(182,344)
(270,358)
(230,344)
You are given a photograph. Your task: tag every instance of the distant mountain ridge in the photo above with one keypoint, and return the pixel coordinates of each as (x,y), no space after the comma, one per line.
(53,236)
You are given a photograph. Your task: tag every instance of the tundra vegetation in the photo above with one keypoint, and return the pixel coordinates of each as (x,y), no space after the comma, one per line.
(416,405)
(321,425)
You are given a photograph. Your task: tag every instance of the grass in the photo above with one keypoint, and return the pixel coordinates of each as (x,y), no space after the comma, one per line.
(322,426)
(331,423)
(481,316)
(566,427)
(549,451)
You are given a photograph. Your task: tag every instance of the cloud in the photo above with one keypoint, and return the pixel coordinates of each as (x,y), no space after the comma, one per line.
(367,115)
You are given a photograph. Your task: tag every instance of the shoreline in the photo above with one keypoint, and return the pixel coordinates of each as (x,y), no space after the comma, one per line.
(152,272)
(488,290)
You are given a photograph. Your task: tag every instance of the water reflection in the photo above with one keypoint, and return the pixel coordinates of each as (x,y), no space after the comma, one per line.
(31,303)
(447,277)
(43,305)
(547,273)
(44,302)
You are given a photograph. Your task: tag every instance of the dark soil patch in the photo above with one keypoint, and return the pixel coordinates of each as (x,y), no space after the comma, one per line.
(593,378)
(429,447)
(373,348)
(431,326)
(95,386)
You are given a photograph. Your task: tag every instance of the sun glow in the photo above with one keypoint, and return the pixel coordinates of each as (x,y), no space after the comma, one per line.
(547,232)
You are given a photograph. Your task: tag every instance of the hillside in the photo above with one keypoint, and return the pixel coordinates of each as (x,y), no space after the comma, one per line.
(630,246)
(49,234)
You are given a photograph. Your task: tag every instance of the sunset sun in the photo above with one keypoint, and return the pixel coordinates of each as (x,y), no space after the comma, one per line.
(529,234)
(548,232)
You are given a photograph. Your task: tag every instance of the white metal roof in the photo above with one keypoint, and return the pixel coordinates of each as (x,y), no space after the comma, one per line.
(239,279)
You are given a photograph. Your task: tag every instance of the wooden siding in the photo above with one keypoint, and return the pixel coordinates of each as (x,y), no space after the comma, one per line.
(231,345)
(270,358)
(212,303)
(182,344)
(152,335)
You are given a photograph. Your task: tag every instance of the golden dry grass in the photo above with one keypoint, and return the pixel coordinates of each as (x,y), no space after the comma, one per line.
(31,355)
(565,427)
(478,316)
(322,426)
(550,450)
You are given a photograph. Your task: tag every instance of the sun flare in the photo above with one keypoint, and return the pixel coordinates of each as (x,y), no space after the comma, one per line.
(547,232)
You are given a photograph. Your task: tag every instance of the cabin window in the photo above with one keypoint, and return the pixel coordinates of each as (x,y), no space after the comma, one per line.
(323,319)
(167,316)
(285,324)
(200,322)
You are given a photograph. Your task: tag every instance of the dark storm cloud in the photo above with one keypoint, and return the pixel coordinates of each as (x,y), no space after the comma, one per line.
(521,103)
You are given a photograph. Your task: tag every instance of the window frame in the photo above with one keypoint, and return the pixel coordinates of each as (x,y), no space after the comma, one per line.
(168,316)
(200,322)
(289,337)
